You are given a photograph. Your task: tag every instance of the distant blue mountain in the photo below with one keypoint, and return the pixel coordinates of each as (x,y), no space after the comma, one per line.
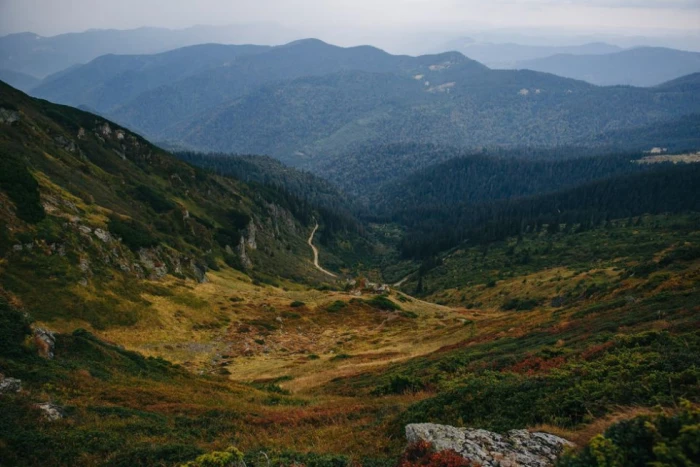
(642,66)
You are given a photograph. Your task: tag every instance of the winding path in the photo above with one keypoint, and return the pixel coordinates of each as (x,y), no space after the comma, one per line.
(400,283)
(311,244)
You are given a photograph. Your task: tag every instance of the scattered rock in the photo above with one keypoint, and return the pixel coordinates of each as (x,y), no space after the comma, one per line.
(45,342)
(8,116)
(65,143)
(151,262)
(517,448)
(52,412)
(9,385)
(103,235)
(105,129)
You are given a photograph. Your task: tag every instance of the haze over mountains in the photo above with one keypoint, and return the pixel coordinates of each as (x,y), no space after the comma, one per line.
(643,66)
(308,98)
(507,55)
(39,56)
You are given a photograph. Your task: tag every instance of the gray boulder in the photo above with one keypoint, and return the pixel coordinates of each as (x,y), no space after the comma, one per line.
(517,448)
(51,412)
(9,385)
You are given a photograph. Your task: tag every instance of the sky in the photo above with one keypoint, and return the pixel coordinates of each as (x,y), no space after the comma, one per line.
(348,17)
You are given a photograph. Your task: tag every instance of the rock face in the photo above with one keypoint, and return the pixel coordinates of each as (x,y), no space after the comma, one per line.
(45,342)
(517,448)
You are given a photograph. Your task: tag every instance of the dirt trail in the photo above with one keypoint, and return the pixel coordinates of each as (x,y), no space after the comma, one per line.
(400,283)
(311,244)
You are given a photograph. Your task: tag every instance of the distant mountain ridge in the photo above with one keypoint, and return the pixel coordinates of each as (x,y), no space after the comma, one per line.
(308,100)
(507,55)
(42,56)
(642,66)
(110,80)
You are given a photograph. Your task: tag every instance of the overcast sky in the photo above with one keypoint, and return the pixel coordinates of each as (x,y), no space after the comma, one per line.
(319,17)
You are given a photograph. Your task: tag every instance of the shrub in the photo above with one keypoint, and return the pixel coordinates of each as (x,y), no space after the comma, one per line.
(14,327)
(297,304)
(229,458)
(519,304)
(382,302)
(133,234)
(422,454)
(336,306)
(400,384)
(168,454)
(21,187)
(657,441)
(152,198)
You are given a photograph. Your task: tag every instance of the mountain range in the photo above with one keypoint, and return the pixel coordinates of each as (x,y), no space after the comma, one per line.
(40,56)
(507,55)
(642,66)
(308,98)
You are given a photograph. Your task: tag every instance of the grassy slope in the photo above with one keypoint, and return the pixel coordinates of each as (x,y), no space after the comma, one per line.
(588,359)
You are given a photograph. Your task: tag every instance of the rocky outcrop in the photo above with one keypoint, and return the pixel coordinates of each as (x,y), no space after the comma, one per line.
(243,255)
(51,412)
(8,116)
(517,448)
(9,385)
(45,342)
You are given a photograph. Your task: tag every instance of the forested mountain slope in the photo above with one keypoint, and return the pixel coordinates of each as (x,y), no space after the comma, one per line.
(323,115)
(435,228)
(306,101)
(89,206)
(473,179)
(111,80)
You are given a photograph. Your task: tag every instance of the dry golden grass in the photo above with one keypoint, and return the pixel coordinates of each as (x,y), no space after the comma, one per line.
(254,333)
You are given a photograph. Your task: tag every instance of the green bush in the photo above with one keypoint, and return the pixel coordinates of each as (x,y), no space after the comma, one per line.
(655,441)
(400,384)
(133,234)
(21,187)
(382,302)
(149,454)
(297,304)
(152,198)
(520,304)
(336,306)
(14,327)
(229,458)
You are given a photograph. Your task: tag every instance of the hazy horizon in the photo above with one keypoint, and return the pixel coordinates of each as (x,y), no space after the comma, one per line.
(382,22)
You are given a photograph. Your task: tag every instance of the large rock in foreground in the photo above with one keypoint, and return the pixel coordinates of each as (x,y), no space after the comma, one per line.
(517,448)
